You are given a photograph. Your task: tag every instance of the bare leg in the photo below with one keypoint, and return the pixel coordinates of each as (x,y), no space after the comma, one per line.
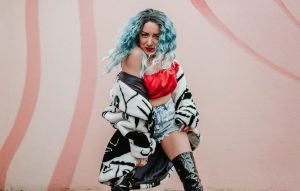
(177,148)
(175,143)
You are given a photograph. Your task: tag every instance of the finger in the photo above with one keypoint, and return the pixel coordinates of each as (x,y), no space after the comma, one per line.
(186,129)
(141,162)
(183,130)
(137,163)
(144,161)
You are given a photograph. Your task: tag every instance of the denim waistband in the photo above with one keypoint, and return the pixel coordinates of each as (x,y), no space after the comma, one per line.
(163,106)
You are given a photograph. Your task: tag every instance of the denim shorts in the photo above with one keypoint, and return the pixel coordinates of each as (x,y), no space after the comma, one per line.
(164,121)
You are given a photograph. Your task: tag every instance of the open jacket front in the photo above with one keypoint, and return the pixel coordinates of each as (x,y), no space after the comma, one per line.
(131,114)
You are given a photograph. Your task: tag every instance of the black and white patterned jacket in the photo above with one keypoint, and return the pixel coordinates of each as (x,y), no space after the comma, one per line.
(130,113)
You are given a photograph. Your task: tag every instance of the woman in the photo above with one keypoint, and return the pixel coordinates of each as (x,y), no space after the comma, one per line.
(152,109)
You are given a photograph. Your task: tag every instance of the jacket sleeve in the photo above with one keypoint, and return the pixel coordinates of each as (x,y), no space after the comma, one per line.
(141,144)
(124,114)
(185,109)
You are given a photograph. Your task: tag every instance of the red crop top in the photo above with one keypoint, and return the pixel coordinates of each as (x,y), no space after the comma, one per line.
(162,82)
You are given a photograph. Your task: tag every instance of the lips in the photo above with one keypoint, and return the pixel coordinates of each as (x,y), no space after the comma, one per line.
(150,49)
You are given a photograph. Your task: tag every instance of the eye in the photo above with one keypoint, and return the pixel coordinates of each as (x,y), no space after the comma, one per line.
(144,34)
(156,36)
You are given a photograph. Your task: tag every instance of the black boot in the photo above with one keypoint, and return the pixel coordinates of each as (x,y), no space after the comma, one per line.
(186,169)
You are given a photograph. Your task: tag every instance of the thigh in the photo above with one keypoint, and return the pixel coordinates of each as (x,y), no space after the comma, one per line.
(175,143)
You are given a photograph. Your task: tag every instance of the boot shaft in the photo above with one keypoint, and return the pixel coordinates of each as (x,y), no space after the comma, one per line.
(186,169)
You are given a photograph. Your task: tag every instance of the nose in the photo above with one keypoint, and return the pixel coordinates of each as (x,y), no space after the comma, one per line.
(150,41)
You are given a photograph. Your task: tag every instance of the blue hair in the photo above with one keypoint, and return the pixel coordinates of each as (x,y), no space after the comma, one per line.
(130,36)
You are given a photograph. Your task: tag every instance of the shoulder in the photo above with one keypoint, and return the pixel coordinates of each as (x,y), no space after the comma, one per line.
(133,63)
(136,52)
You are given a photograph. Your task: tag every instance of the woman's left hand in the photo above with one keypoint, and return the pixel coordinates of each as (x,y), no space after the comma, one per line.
(184,128)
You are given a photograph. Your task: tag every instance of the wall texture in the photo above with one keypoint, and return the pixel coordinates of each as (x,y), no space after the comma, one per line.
(242,63)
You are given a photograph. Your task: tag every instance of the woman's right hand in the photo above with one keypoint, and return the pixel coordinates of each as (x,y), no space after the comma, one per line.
(141,161)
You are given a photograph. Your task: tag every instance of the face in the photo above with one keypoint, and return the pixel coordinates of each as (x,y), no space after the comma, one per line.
(149,38)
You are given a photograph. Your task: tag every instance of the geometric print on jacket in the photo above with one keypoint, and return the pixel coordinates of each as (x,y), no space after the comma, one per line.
(130,113)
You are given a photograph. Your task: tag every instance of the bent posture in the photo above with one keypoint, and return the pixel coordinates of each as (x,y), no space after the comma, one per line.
(152,110)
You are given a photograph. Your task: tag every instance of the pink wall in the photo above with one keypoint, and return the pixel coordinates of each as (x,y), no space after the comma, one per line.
(242,63)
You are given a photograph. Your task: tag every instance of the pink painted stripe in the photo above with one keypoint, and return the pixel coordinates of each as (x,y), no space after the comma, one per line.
(30,91)
(67,162)
(287,12)
(202,6)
